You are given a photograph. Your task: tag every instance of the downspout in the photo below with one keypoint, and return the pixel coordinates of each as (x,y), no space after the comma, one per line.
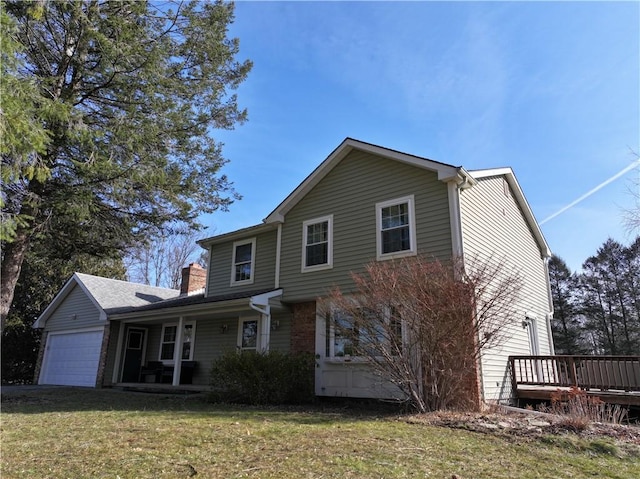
(265,324)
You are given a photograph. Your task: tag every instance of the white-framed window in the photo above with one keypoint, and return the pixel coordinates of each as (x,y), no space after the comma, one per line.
(395,228)
(364,337)
(249,334)
(243,262)
(317,244)
(168,341)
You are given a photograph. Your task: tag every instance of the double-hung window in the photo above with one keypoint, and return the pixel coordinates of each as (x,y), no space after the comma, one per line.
(317,244)
(168,341)
(396,228)
(243,263)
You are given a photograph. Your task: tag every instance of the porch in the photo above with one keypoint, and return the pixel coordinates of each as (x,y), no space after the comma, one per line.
(613,379)
(175,345)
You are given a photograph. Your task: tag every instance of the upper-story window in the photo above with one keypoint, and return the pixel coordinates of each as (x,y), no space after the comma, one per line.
(244,256)
(317,244)
(396,228)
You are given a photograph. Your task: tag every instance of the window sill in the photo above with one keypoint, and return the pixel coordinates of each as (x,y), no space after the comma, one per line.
(399,254)
(319,267)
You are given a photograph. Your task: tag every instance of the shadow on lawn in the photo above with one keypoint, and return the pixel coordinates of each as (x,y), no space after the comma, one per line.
(38,400)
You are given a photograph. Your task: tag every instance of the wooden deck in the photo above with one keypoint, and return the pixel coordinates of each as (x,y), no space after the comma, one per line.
(614,379)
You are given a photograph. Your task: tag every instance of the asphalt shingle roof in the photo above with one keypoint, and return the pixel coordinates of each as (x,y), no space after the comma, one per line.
(113,294)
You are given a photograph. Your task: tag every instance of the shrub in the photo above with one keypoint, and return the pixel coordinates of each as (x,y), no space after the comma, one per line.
(577,409)
(263,378)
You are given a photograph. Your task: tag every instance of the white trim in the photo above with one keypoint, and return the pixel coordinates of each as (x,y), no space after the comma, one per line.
(241,321)
(59,298)
(531,324)
(445,172)
(278,253)
(117,368)
(252,242)
(179,334)
(329,264)
(455,219)
(120,369)
(412,228)
(44,366)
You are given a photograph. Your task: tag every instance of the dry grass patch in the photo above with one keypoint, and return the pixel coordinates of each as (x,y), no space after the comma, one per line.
(83,433)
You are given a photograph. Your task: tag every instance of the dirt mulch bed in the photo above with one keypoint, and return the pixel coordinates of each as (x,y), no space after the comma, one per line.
(528,425)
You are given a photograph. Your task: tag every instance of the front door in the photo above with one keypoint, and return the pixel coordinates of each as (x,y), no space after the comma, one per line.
(133,355)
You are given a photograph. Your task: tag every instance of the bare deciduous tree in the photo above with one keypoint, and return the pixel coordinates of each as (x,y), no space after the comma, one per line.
(159,262)
(423,324)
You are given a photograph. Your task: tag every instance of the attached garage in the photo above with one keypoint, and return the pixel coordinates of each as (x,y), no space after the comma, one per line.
(72,358)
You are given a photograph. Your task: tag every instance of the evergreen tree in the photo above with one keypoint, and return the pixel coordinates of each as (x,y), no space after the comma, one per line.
(123,97)
(566,324)
(609,298)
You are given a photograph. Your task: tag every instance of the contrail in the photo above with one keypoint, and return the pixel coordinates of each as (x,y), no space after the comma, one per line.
(597,188)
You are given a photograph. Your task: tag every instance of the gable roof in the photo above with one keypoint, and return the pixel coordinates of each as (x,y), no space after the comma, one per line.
(508,174)
(108,295)
(445,172)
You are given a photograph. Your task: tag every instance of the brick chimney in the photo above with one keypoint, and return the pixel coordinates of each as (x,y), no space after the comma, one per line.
(194,277)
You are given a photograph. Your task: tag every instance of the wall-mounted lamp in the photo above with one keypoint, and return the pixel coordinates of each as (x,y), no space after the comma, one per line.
(223,328)
(275,325)
(74,317)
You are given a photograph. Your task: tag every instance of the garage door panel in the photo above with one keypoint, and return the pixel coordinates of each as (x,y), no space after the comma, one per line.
(72,358)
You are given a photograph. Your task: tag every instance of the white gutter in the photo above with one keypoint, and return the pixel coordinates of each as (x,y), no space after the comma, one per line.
(260,303)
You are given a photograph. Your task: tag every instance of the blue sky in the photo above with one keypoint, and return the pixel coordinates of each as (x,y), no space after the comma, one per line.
(551,89)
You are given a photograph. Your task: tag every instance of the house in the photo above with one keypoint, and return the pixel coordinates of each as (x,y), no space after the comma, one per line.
(262,284)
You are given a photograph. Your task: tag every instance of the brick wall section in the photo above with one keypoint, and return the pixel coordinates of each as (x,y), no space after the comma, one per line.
(303,328)
(43,345)
(100,379)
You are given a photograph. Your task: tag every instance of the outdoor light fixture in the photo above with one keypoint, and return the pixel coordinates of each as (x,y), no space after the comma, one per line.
(223,328)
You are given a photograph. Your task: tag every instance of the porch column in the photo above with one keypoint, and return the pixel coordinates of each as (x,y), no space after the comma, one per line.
(117,367)
(177,352)
(265,333)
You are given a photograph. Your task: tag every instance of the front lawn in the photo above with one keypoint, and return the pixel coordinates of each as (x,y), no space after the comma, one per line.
(84,433)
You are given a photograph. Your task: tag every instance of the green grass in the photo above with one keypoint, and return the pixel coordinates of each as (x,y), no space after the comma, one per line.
(80,433)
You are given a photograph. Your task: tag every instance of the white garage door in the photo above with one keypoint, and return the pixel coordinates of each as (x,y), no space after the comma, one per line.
(72,359)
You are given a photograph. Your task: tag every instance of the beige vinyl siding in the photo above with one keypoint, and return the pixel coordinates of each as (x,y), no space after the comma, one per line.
(211,341)
(220,266)
(75,303)
(350,192)
(493,225)
(281,337)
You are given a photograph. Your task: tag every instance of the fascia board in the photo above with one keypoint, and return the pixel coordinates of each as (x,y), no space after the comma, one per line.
(59,298)
(445,172)
(228,306)
(263,299)
(522,201)
(237,234)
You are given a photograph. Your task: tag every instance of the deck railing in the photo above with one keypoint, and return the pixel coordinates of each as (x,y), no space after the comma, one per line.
(621,373)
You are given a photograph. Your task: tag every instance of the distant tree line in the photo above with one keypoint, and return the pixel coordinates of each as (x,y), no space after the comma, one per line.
(597,311)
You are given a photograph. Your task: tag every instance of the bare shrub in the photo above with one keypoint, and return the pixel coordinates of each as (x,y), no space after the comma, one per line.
(422,325)
(576,409)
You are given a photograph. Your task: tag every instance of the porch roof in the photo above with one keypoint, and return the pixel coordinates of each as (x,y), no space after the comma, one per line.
(195,301)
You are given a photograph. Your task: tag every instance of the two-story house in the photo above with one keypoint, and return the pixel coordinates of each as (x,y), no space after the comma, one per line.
(260,292)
